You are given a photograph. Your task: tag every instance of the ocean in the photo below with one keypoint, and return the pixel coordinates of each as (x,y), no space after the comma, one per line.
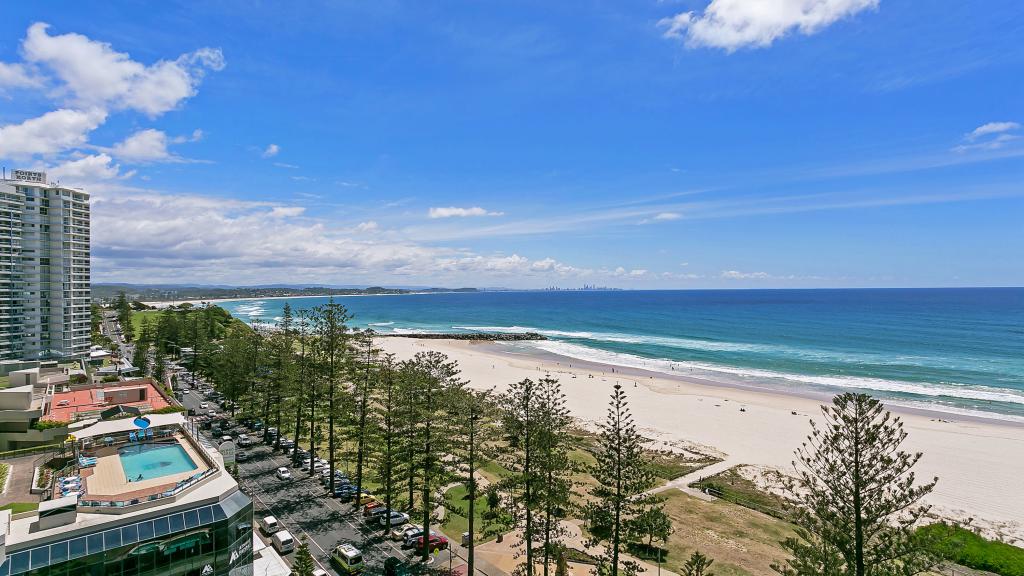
(955,350)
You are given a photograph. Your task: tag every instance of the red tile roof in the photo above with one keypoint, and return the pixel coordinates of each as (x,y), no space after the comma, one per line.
(65,405)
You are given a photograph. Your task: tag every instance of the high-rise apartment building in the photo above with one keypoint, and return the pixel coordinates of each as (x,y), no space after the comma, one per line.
(44,268)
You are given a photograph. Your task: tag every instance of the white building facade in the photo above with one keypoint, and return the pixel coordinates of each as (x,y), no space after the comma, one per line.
(44,269)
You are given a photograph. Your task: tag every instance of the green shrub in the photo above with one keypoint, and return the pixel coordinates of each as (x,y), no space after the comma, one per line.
(49,424)
(960,545)
(168,410)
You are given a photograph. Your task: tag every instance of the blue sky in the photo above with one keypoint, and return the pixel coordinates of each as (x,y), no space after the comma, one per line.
(657,144)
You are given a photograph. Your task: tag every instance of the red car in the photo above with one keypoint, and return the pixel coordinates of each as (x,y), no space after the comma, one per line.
(369,507)
(437,542)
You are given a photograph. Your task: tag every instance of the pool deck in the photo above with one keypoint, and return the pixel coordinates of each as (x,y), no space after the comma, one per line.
(107,478)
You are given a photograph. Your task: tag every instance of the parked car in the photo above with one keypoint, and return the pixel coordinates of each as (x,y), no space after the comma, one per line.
(269,525)
(398,533)
(241,456)
(283,473)
(394,518)
(347,559)
(411,537)
(283,541)
(244,440)
(377,513)
(348,493)
(437,542)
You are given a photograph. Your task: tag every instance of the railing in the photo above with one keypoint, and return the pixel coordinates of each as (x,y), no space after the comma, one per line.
(171,493)
(26,451)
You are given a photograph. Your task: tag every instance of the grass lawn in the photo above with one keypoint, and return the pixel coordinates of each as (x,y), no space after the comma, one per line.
(137,317)
(456,521)
(17,507)
(493,471)
(741,541)
(732,486)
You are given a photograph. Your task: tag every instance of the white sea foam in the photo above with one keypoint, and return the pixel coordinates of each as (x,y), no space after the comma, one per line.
(252,309)
(826,356)
(380,323)
(668,341)
(927,389)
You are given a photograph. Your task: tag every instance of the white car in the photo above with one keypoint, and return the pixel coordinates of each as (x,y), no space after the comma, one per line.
(244,440)
(398,532)
(411,531)
(394,519)
(283,473)
(203,406)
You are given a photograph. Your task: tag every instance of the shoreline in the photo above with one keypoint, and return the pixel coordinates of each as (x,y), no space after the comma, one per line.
(804,393)
(762,427)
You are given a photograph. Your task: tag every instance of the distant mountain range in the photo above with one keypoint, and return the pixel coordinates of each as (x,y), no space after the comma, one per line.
(156,292)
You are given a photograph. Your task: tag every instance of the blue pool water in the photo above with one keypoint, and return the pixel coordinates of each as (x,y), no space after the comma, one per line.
(154,460)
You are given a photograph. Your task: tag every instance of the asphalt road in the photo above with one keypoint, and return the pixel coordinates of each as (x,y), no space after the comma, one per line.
(303,507)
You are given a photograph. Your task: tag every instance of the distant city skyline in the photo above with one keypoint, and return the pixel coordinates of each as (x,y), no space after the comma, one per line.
(680,144)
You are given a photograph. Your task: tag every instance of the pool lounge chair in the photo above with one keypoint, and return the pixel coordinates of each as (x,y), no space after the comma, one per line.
(149,433)
(132,437)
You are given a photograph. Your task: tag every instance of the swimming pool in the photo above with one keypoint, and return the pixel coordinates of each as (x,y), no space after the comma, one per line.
(148,461)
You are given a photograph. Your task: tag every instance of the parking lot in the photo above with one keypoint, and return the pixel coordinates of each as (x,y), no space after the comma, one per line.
(303,507)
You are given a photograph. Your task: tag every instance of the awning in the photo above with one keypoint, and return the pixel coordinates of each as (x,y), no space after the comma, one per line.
(108,427)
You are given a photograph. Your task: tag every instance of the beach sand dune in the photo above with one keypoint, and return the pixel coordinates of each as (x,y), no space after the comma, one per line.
(980,463)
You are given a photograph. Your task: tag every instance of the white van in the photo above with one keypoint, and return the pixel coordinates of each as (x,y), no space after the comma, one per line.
(269,525)
(283,541)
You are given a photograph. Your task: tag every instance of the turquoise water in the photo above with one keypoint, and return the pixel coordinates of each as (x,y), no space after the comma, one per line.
(956,350)
(154,460)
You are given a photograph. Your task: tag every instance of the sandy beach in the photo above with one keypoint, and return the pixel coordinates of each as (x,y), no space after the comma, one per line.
(980,463)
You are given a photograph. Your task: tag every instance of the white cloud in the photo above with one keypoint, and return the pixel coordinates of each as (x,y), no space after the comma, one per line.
(91,168)
(662,217)
(18,76)
(196,136)
(285,165)
(735,24)
(271,151)
(287,211)
(991,128)
(737,275)
(455,212)
(94,74)
(144,146)
(369,226)
(990,136)
(142,233)
(50,133)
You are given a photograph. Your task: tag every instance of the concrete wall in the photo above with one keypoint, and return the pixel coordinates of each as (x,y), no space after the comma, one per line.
(16,398)
(29,377)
